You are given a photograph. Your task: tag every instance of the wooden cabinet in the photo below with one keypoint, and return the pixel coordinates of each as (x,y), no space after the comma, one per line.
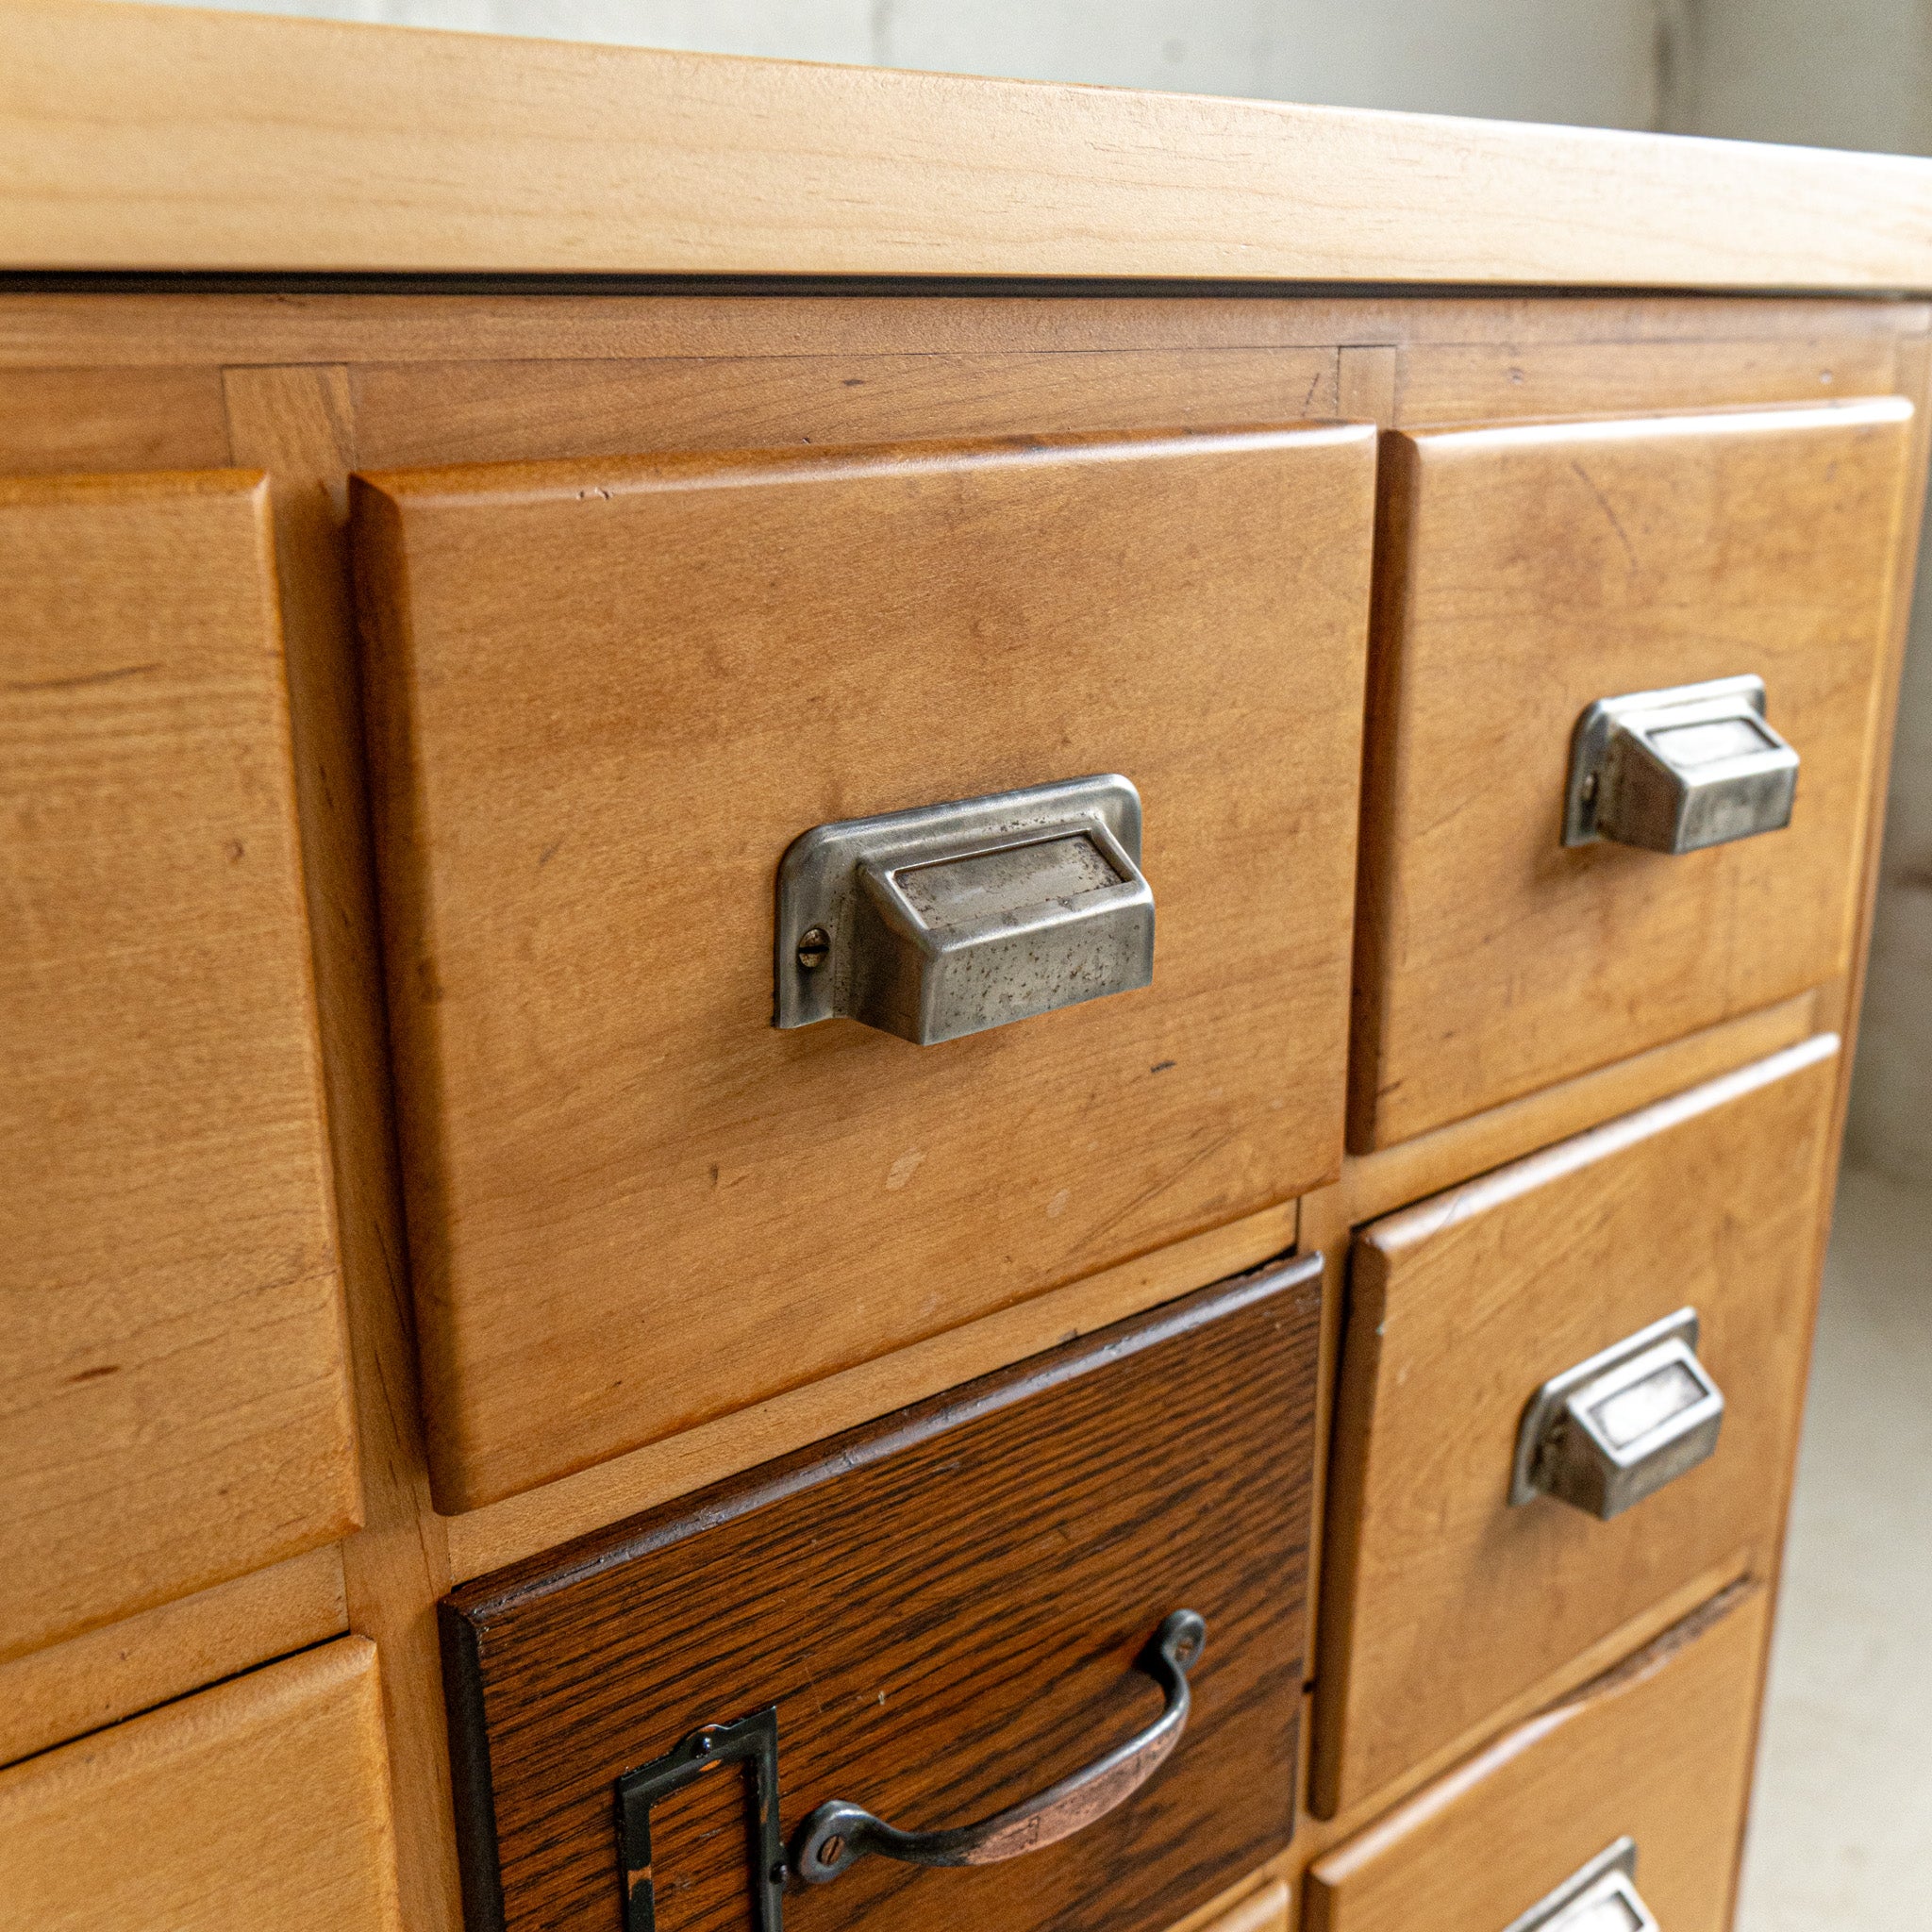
(1657,1751)
(1529,570)
(173,1408)
(946,1614)
(722,452)
(1444,1599)
(262,1802)
(607,700)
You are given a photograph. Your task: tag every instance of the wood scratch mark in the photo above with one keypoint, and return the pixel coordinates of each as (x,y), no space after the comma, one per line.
(85,678)
(814,1683)
(1583,477)
(1153,1192)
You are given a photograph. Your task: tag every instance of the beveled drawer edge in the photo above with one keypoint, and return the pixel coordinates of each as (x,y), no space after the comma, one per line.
(118,1671)
(502,1533)
(1264,1908)
(1371,1186)
(1560,1686)
(1425,1218)
(475,1603)
(1396,1177)
(1525,1730)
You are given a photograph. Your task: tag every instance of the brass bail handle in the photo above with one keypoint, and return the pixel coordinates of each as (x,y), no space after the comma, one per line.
(837,1834)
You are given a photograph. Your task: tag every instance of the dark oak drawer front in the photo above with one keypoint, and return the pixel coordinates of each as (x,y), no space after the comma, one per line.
(608,697)
(947,1609)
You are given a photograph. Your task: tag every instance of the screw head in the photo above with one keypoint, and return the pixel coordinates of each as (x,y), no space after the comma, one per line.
(814,949)
(832,1850)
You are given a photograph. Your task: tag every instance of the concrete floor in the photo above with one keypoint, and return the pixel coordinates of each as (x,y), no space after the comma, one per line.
(1840,1833)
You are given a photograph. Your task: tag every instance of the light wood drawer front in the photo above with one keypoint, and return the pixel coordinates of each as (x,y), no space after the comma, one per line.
(608,697)
(1657,1750)
(1529,571)
(173,1408)
(950,1612)
(1266,1910)
(1443,1602)
(263,1802)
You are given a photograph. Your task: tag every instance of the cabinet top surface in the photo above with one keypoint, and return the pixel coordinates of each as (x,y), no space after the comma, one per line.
(140,139)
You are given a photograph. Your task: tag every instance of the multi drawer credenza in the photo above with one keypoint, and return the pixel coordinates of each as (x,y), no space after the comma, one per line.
(889,1103)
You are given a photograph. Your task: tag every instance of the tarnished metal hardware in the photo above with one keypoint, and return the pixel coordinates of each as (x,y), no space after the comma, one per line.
(751,1741)
(1675,771)
(837,1835)
(948,919)
(1616,1428)
(1602,1898)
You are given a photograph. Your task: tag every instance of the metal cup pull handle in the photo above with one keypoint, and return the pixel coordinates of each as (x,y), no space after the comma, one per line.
(1677,770)
(1616,1428)
(837,1834)
(951,919)
(1601,1897)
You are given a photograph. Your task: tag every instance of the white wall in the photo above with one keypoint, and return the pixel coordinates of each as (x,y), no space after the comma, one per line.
(1820,73)
(1524,60)
(1586,60)
(1890,1123)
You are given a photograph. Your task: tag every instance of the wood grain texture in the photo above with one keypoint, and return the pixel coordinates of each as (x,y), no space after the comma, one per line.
(1374,1184)
(1314,1838)
(173,1408)
(263,1802)
(177,140)
(1527,570)
(119,1670)
(1444,358)
(1366,382)
(520,1527)
(1265,1911)
(439,414)
(1441,1601)
(605,699)
(1478,382)
(298,424)
(945,1609)
(85,420)
(1659,1748)
(1315,1835)
(108,328)
(539,1519)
